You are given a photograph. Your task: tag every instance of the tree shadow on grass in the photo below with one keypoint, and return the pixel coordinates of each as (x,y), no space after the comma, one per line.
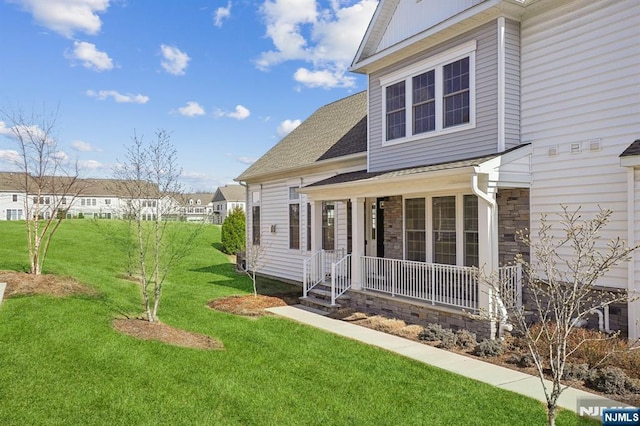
(227,276)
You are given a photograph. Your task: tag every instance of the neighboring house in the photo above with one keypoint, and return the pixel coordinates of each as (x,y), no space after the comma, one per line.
(11,198)
(88,198)
(226,199)
(197,207)
(479,116)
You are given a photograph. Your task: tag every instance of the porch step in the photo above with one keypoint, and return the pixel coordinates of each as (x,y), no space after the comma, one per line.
(316,303)
(325,294)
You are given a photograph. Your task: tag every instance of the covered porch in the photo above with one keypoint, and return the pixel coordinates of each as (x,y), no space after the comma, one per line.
(423,233)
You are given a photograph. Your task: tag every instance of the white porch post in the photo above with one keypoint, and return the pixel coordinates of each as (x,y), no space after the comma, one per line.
(357,241)
(316,226)
(488,244)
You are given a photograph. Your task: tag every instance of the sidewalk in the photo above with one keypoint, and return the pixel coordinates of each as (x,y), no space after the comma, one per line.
(492,374)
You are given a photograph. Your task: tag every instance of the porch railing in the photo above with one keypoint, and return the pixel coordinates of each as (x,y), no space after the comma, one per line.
(317,268)
(435,283)
(510,279)
(449,285)
(340,277)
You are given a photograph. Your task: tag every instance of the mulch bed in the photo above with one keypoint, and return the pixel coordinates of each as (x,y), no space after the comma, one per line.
(145,330)
(250,305)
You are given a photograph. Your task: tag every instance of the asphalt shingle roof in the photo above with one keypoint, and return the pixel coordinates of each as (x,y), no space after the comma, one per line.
(334,130)
(633,149)
(230,193)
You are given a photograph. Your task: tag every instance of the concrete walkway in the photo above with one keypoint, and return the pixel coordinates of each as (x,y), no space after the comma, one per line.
(492,374)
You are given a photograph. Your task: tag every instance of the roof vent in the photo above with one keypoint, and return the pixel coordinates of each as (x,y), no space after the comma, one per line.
(594,145)
(553,151)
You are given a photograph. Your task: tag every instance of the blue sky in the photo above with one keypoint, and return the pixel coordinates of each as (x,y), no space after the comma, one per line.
(228,79)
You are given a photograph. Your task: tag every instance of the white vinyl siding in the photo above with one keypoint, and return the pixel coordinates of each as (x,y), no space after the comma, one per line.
(413,17)
(282,261)
(580,83)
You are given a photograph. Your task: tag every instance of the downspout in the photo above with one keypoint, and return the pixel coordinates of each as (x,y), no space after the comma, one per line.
(503,324)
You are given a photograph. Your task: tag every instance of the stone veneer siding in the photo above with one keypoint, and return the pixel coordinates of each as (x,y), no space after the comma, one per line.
(393,238)
(416,312)
(513,216)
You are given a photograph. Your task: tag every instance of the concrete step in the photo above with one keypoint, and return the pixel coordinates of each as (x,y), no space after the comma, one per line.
(314,302)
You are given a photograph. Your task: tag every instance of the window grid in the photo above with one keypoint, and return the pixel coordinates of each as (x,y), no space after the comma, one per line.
(424,102)
(294,226)
(456,92)
(255,225)
(396,120)
(415,226)
(471,246)
(444,230)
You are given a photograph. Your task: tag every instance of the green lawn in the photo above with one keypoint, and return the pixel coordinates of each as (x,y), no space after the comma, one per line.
(62,363)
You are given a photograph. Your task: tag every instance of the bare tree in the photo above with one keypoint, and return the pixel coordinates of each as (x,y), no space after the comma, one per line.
(149,180)
(562,282)
(255,261)
(48,182)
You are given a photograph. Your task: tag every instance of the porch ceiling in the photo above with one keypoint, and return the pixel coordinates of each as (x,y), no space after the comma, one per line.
(507,169)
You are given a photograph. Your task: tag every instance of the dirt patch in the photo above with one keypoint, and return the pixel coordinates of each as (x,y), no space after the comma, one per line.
(23,284)
(250,305)
(146,330)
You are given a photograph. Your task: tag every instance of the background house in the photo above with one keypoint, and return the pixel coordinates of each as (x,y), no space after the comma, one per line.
(225,199)
(197,207)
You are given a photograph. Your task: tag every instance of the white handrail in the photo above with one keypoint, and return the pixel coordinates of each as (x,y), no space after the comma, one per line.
(340,278)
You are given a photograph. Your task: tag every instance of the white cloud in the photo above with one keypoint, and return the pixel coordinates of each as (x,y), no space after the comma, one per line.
(287,126)
(247,160)
(240,113)
(90,165)
(89,56)
(174,60)
(4,130)
(118,97)
(191,109)
(83,146)
(325,38)
(26,132)
(66,17)
(60,156)
(9,156)
(221,14)
(323,78)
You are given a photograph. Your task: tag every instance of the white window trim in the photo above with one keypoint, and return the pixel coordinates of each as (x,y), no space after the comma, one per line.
(459,197)
(432,63)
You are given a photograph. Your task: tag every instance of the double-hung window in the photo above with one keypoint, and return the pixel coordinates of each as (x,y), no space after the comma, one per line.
(255,218)
(294,218)
(431,97)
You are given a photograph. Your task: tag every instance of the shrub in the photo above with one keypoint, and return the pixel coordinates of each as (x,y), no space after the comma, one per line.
(233,232)
(448,340)
(432,332)
(489,348)
(575,371)
(612,380)
(466,339)
(523,360)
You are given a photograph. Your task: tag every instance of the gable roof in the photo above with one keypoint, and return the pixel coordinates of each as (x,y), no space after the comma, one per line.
(204,197)
(633,149)
(334,130)
(399,30)
(230,193)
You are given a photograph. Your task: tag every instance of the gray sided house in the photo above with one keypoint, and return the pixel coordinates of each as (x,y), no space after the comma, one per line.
(478,117)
